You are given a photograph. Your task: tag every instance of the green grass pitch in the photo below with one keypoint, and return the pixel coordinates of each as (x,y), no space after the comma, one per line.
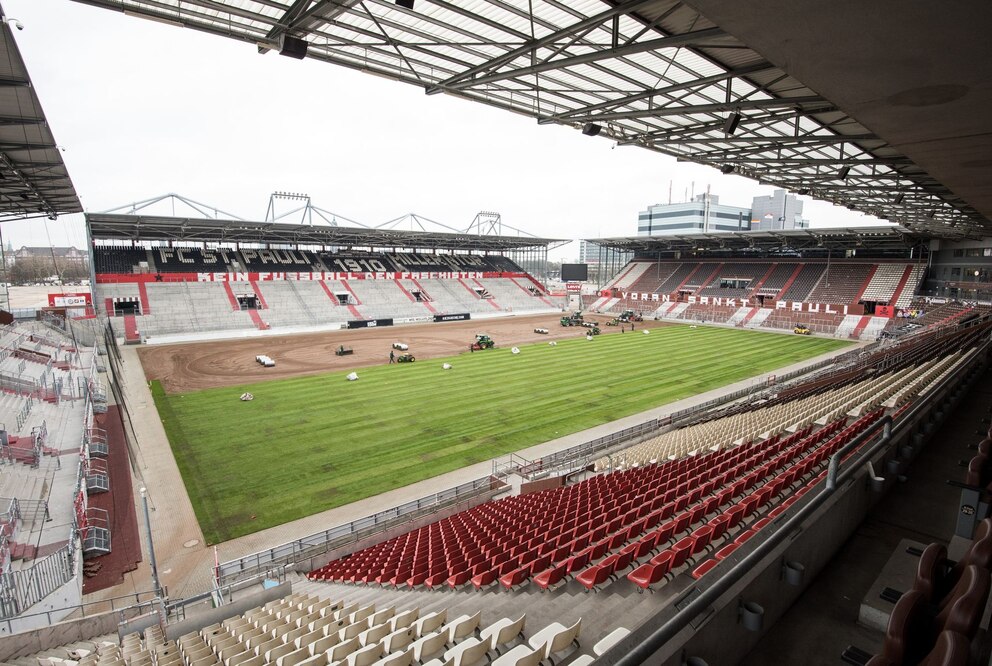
(313,443)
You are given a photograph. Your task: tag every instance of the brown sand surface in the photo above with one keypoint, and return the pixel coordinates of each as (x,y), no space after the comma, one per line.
(198,365)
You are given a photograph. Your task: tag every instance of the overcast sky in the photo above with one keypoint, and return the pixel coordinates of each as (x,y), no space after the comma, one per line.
(143,109)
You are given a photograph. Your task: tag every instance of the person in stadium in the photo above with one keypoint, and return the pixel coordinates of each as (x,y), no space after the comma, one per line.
(392,356)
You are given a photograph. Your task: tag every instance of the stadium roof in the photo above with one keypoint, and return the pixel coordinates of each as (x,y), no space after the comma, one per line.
(662,75)
(104,226)
(34,182)
(868,238)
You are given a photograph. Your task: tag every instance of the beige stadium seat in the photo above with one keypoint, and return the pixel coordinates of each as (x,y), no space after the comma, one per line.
(352,630)
(278,651)
(505,630)
(324,644)
(379,617)
(294,657)
(398,640)
(558,637)
(340,651)
(319,659)
(374,634)
(463,626)
(430,645)
(404,658)
(365,656)
(470,651)
(430,623)
(523,655)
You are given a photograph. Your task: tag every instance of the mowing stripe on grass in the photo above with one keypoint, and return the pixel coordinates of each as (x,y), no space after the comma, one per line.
(307,444)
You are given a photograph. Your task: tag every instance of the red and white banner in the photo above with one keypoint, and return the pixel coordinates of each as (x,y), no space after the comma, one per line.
(75,300)
(792,306)
(573,287)
(316,276)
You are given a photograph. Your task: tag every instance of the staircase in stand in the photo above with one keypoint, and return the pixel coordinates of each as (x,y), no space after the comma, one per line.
(258,294)
(146,307)
(524,289)
(330,295)
(351,306)
(864,285)
(231,297)
(257,318)
(131,334)
(425,298)
(856,333)
(902,285)
(486,296)
(788,283)
(687,278)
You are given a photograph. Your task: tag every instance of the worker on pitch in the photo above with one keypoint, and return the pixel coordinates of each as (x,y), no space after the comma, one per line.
(392,356)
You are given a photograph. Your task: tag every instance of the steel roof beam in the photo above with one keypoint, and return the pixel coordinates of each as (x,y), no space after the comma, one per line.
(689,39)
(532,46)
(736,105)
(656,92)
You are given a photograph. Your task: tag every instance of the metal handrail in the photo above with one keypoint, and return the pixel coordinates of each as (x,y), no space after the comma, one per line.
(642,651)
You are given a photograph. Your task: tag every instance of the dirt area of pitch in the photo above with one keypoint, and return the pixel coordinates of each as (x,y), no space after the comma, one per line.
(193,366)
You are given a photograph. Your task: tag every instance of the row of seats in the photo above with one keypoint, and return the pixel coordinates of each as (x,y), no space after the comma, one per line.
(852,399)
(307,630)
(565,530)
(935,622)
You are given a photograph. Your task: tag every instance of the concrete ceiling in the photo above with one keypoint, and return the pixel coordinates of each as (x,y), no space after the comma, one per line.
(917,74)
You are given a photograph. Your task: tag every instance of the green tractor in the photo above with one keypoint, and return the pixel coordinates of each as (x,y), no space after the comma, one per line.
(567,321)
(482,341)
(406,358)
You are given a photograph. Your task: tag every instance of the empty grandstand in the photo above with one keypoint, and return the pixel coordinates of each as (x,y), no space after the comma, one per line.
(761,280)
(228,277)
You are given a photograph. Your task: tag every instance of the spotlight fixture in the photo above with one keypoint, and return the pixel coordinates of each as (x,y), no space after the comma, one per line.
(803,191)
(898,198)
(842,174)
(293,47)
(727,169)
(591,129)
(733,120)
(405,4)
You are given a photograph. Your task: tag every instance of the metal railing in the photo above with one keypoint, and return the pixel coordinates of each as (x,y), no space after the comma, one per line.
(129,605)
(835,478)
(339,535)
(19,590)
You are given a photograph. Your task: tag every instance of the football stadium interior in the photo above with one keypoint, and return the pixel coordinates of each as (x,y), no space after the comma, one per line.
(258,442)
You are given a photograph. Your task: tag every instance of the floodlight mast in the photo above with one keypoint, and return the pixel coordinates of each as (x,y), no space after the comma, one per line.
(306,209)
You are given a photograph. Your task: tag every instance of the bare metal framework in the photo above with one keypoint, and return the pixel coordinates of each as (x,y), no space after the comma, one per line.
(34,181)
(650,73)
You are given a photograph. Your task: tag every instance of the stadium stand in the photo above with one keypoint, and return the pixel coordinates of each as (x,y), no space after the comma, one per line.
(196,289)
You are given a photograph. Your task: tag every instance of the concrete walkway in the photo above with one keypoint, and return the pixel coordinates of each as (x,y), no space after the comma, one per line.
(185,564)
